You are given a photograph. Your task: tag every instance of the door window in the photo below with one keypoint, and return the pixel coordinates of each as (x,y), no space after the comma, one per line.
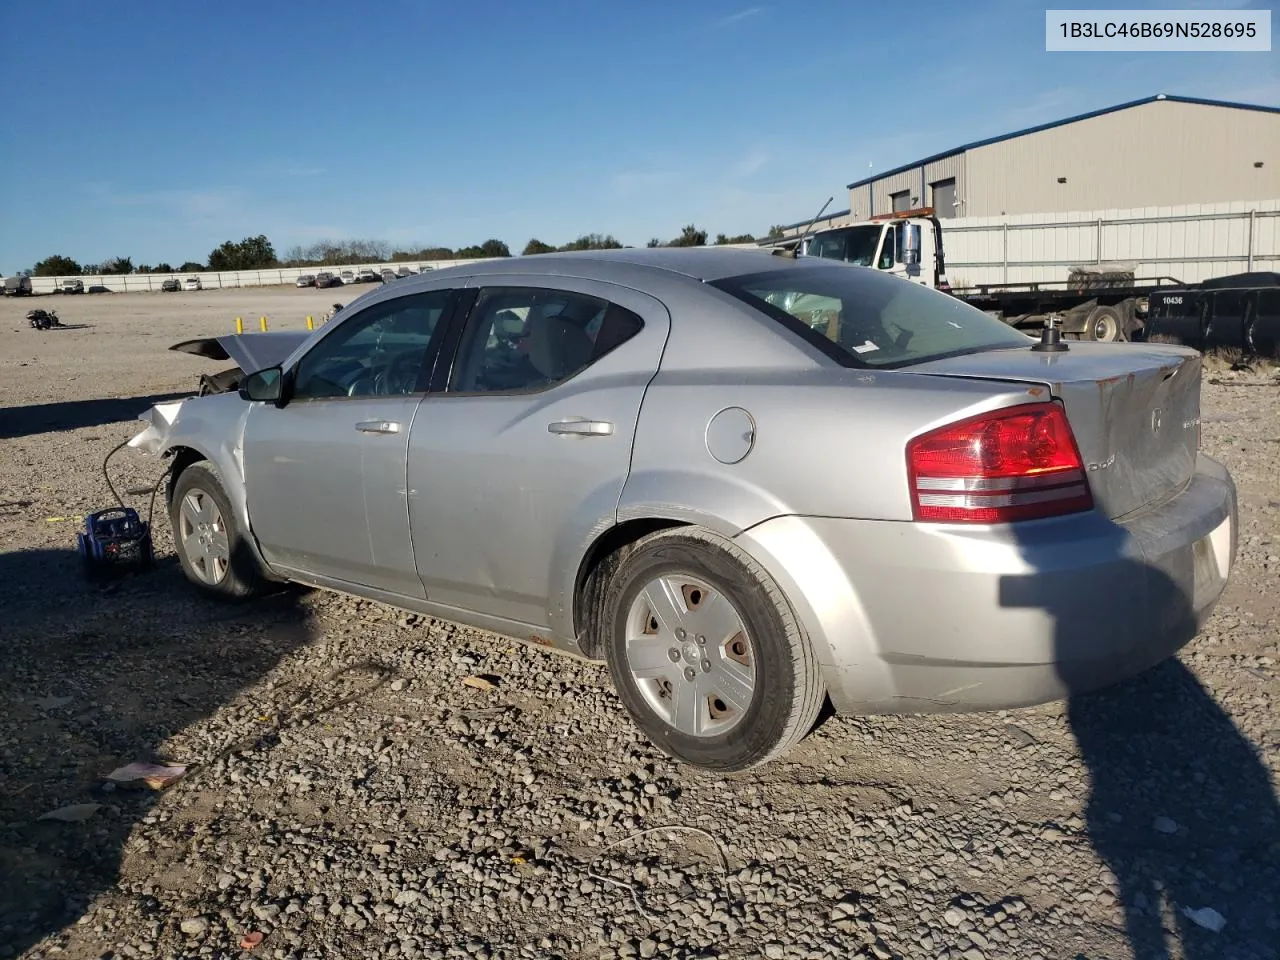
(378,352)
(523,338)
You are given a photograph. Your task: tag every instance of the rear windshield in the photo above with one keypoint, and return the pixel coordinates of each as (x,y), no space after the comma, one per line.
(863,318)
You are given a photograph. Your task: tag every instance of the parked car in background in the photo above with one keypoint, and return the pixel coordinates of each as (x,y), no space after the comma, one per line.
(748,483)
(388,275)
(348,276)
(367,275)
(17,286)
(192,283)
(72,285)
(325,279)
(306,280)
(172,285)
(404,272)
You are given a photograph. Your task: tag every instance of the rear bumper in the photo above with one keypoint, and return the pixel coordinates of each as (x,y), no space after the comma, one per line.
(910,618)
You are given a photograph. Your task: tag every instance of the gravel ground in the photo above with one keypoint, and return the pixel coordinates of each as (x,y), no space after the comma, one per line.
(350,796)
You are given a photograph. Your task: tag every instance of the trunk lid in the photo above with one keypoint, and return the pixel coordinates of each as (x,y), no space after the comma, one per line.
(1134,410)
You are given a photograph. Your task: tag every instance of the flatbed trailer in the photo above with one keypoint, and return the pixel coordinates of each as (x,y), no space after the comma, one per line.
(1087,307)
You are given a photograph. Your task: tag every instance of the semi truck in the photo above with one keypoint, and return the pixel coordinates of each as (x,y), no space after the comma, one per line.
(1093,303)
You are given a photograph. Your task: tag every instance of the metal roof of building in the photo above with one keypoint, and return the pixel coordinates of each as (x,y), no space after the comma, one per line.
(1058,123)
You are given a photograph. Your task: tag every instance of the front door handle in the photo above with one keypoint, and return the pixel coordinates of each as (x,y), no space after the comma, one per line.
(581,428)
(378,426)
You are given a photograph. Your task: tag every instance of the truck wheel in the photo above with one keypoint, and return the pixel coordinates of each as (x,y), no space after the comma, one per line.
(706,654)
(209,543)
(1104,325)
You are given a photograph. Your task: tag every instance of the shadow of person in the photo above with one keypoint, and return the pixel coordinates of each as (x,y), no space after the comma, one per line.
(93,678)
(1181,807)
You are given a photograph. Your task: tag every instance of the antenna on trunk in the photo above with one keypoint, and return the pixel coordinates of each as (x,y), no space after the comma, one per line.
(1050,340)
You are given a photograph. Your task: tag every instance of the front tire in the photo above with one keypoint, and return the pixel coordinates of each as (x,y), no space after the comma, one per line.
(212,549)
(706,654)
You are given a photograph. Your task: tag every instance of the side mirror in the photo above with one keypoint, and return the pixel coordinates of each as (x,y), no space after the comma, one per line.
(911,244)
(264,385)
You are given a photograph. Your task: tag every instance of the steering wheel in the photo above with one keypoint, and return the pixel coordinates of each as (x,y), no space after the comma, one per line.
(400,376)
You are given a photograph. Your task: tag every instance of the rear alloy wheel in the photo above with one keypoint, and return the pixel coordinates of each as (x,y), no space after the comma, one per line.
(213,553)
(1104,325)
(706,654)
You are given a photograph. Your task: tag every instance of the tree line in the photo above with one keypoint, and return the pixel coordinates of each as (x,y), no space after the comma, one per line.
(258,253)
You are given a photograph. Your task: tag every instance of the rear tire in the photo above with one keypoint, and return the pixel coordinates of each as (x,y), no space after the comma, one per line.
(212,549)
(1104,325)
(706,653)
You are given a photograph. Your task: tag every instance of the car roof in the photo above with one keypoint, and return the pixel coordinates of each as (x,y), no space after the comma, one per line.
(647,269)
(696,263)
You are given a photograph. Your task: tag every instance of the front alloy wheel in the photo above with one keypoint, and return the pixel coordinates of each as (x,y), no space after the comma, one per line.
(213,552)
(204,536)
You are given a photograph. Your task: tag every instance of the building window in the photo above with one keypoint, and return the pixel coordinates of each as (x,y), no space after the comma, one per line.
(943,193)
(901,200)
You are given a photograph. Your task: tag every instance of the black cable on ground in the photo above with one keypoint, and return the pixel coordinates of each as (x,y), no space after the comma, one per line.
(153,490)
(111,486)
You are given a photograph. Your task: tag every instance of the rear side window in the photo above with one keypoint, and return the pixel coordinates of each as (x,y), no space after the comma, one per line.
(530,338)
(862,318)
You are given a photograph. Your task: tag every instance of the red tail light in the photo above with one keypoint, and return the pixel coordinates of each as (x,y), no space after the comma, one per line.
(1015,464)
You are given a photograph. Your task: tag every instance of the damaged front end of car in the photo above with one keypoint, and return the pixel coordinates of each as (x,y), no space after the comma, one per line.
(220,419)
(249,351)
(159,420)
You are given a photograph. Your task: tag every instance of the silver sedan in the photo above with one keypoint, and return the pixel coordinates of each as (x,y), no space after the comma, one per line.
(750,483)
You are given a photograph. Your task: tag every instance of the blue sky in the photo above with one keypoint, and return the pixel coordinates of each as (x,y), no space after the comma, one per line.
(157,130)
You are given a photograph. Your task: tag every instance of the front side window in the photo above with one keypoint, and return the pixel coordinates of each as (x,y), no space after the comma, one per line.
(528,338)
(378,352)
(862,318)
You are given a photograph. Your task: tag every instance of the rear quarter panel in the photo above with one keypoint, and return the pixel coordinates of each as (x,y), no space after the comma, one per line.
(827,442)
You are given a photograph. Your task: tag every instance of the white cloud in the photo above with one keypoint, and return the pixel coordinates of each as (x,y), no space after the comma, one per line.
(630,182)
(205,203)
(738,17)
(749,164)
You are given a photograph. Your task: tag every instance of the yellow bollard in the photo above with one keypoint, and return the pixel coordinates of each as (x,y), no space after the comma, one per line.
(311,323)
(263,321)
(239,325)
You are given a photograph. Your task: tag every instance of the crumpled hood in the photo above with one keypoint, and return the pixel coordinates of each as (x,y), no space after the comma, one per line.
(249,351)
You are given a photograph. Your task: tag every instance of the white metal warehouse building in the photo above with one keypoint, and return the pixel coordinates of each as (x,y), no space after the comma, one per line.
(1159,151)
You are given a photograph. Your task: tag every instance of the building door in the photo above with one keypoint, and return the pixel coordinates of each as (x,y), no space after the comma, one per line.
(901,200)
(944,197)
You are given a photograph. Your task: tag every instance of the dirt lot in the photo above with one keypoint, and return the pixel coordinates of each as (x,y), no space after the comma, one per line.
(351,797)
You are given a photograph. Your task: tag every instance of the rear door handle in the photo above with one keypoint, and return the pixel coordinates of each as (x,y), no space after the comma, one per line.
(582,428)
(378,426)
